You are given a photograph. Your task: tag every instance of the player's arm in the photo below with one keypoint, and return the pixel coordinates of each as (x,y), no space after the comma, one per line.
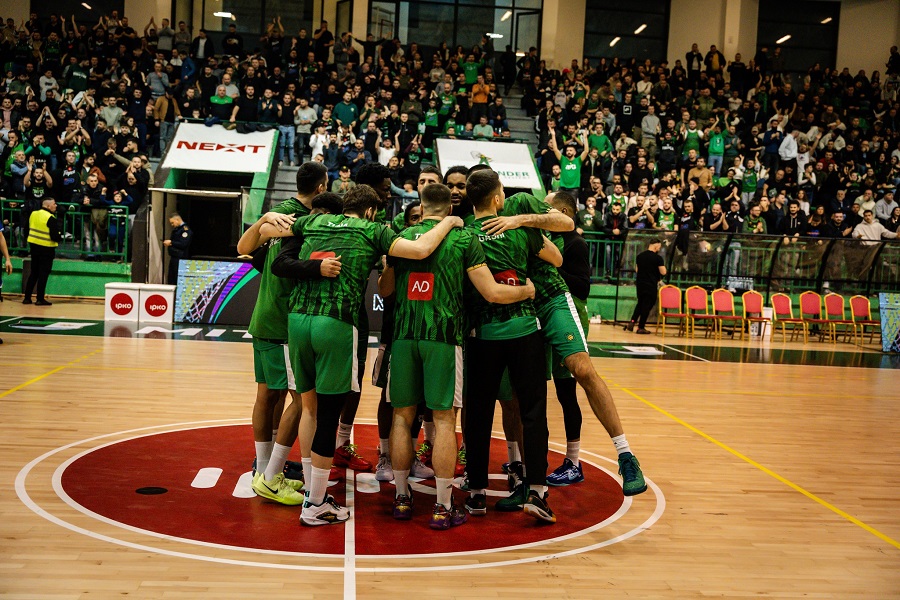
(496,293)
(550,253)
(288,265)
(425,245)
(253,238)
(387,281)
(553,220)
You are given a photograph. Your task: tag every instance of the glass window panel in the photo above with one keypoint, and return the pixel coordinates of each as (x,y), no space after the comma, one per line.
(475,22)
(527,27)
(294,14)
(529,3)
(428,23)
(382,19)
(247,16)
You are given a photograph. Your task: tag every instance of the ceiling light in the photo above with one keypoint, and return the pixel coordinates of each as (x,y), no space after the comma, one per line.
(783,39)
(640,29)
(826,21)
(495,36)
(86,5)
(506,15)
(614,41)
(224,15)
(520,54)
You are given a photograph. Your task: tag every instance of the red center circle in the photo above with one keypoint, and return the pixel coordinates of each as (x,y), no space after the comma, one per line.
(104,481)
(121,304)
(156,305)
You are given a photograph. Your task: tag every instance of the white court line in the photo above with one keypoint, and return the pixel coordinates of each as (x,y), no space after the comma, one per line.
(10,319)
(350,541)
(685,353)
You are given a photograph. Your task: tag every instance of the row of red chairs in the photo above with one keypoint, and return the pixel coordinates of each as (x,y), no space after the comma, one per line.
(696,308)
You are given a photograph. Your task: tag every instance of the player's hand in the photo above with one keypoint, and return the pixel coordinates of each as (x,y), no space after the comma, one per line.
(499,225)
(330,267)
(8,267)
(455,222)
(529,287)
(282,222)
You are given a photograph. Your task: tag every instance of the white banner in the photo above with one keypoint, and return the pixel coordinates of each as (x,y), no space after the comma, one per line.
(512,162)
(215,148)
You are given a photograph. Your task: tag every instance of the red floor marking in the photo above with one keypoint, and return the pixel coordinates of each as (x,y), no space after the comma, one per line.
(104,481)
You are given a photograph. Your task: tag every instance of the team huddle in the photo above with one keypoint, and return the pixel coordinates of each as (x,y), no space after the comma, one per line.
(478,308)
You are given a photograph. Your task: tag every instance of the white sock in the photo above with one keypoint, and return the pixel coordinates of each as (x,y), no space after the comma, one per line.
(384,446)
(317,485)
(344,432)
(473,493)
(306,463)
(512,452)
(572,450)
(277,460)
(263,452)
(400,480)
(444,491)
(540,490)
(429,432)
(621,444)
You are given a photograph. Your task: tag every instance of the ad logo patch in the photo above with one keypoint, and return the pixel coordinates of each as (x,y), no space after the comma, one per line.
(420,286)
(507,277)
(321,255)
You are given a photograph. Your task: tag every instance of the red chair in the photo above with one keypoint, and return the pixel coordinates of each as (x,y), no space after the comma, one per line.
(783,314)
(811,313)
(723,310)
(834,312)
(861,313)
(697,300)
(670,308)
(753,311)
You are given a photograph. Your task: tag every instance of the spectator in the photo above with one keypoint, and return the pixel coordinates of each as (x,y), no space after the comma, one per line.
(871,230)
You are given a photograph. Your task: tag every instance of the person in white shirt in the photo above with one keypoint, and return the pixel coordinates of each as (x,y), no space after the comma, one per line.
(386,152)
(788,150)
(885,206)
(871,230)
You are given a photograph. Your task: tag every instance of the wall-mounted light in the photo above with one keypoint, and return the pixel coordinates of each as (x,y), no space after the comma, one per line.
(86,5)
(224,15)
(614,41)
(783,39)
(506,15)
(495,36)
(640,29)
(826,20)
(520,54)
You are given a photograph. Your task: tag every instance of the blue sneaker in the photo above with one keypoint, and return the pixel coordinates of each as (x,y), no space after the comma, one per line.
(566,474)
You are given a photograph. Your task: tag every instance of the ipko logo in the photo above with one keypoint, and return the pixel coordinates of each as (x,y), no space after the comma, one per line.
(156,305)
(121,304)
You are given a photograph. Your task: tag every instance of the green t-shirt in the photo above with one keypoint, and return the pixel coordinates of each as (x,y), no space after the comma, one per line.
(431,118)
(269,320)
(359,243)
(430,291)
(448,101)
(471,70)
(666,220)
(716,144)
(748,184)
(601,142)
(570,172)
(507,255)
(346,113)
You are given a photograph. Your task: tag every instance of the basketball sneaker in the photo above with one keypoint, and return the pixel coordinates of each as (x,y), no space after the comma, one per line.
(276,490)
(335,475)
(538,508)
(293,470)
(384,471)
(632,479)
(419,470)
(566,474)
(515,474)
(327,513)
(460,463)
(403,506)
(346,456)
(442,518)
(514,501)
(424,452)
(477,505)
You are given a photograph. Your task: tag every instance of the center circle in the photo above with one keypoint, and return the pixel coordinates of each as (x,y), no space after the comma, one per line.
(102,482)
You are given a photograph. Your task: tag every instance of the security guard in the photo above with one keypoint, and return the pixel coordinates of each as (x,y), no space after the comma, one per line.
(43,236)
(179,246)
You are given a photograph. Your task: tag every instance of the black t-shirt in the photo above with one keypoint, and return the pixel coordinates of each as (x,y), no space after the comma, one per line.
(648,264)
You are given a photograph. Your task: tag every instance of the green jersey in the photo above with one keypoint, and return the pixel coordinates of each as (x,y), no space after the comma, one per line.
(570,172)
(620,200)
(666,220)
(691,140)
(471,70)
(359,243)
(507,255)
(748,185)
(430,291)
(269,320)
(716,144)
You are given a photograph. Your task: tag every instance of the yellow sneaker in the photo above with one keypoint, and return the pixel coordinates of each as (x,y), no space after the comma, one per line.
(277,490)
(294,484)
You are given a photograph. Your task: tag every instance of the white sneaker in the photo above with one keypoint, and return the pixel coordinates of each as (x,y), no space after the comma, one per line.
(384,471)
(327,513)
(420,470)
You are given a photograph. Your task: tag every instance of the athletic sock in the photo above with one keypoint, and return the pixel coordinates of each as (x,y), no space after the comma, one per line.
(444,488)
(473,493)
(400,481)
(306,463)
(317,486)
(540,490)
(572,451)
(512,452)
(263,452)
(384,446)
(429,432)
(621,444)
(343,435)
(277,460)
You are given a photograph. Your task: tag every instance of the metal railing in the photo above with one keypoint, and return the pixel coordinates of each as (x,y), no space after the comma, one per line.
(88,233)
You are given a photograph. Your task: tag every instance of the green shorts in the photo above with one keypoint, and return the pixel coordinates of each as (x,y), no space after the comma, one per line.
(272,365)
(323,354)
(425,370)
(564,323)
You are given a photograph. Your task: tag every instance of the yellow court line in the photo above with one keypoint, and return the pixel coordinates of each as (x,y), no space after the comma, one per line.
(47,374)
(768,471)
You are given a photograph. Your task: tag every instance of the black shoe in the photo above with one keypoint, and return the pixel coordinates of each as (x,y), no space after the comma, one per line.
(642,331)
(629,327)
(27,301)
(43,303)
(477,505)
(538,508)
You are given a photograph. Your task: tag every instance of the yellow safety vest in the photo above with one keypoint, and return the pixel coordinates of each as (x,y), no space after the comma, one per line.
(38,230)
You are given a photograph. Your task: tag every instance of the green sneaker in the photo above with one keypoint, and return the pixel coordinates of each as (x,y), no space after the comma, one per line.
(514,501)
(632,478)
(276,490)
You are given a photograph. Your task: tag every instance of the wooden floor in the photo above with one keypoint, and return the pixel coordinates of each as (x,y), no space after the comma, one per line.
(774,480)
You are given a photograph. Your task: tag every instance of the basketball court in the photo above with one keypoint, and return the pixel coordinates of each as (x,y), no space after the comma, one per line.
(772,471)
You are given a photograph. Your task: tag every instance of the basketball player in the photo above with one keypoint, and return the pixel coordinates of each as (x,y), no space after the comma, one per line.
(322,334)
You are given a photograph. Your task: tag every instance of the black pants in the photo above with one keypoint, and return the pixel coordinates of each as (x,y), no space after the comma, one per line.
(172,274)
(486,360)
(41,265)
(646,298)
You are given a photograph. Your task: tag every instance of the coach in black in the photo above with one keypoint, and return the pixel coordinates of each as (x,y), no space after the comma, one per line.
(178,245)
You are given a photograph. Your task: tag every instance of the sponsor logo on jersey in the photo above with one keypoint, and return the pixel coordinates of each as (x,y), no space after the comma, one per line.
(508,277)
(321,255)
(420,286)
